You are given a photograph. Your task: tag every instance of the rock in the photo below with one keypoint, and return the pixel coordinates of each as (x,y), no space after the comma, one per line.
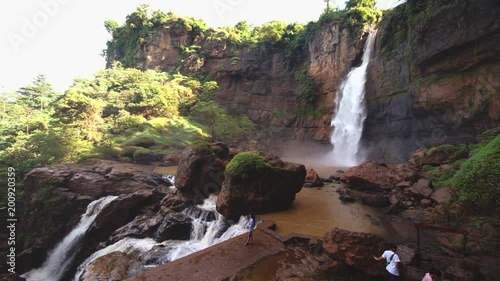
(111,267)
(442,195)
(140,227)
(201,171)
(369,175)
(259,183)
(375,200)
(338,177)
(313,178)
(403,184)
(426,202)
(172,159)
(342,191)
(175,226)
(340,171)
(406,254)
(347,198)
(308,185)
(175,202)
(220,150)
(267,224)
(355,249)
(422,188)
(144,156)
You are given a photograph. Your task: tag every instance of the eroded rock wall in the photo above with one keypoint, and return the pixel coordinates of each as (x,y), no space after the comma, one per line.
(439,85)
(261,82)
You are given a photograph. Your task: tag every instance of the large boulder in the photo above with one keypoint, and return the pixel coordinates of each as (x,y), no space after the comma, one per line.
(369,175)
(422,188)
(175,226)
(201,170)
(111,267)
(355,249)
(375,200)
(260,183)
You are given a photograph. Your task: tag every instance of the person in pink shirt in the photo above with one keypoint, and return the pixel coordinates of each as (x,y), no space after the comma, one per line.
(431,275)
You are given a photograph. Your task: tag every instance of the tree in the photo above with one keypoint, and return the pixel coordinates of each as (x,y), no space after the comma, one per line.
(221,124)
(37,94)
(360,3)
(209,114)
(79,111)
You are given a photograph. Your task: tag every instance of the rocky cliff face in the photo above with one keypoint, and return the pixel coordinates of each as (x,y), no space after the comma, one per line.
(439,84)
(433,77)
(261,83)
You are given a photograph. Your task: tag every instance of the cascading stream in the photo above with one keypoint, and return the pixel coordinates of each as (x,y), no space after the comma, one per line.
(205,232)
(63,254)
(208,228)
(350,114)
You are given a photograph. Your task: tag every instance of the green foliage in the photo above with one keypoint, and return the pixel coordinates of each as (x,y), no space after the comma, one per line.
(139,26)
(358,18)
(351,4)
(245,164)
(306,87)
(479,176)
(221,125)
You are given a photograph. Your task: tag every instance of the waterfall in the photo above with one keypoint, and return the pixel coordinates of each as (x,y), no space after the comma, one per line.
(208,228)
(63,254)
(206,233)
(350,113)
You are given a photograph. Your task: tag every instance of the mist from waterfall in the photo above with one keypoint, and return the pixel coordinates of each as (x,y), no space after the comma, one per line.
(61,257)
(350,114)
(208,228)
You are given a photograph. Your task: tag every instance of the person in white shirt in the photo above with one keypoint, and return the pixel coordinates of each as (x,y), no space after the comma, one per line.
(393,261)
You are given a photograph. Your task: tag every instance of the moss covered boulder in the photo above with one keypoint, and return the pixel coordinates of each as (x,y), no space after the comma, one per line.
(259,183)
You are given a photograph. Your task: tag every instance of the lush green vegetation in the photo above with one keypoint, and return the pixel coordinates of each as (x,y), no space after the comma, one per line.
(120,113)
(475,178)
(478,179)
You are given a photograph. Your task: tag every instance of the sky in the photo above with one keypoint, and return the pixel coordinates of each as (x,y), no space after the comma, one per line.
(64,39)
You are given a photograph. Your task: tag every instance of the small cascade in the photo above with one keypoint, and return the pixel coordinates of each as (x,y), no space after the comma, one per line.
(61,257)
(350,113)
(208,228)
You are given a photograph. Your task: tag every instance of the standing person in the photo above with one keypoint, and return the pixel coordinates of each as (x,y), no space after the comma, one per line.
(393,261)
(251,226)
(432,275)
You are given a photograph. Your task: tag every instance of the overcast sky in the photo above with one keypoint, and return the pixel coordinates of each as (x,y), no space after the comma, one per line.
(63,39)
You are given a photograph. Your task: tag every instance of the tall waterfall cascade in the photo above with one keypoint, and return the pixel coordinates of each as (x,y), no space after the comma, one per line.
(208,228)
(350,114)
(61,257)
